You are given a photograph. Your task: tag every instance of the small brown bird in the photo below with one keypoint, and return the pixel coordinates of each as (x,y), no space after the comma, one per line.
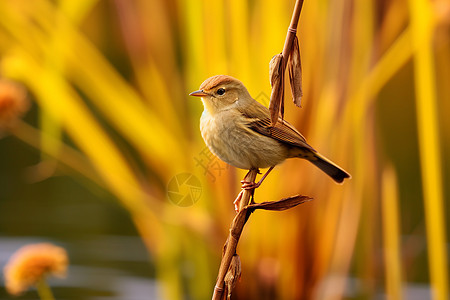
(238,130)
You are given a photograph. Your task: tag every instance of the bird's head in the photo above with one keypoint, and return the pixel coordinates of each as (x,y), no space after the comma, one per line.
(222,92)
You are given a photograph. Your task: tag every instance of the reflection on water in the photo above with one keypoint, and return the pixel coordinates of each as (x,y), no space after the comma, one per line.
(102,267)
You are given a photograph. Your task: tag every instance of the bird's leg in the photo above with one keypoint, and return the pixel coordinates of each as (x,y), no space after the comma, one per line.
(237,201)
(252,185)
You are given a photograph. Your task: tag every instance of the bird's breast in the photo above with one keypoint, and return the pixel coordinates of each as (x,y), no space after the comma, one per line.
(228,137)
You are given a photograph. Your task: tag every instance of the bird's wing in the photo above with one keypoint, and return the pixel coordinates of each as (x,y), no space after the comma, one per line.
(258,119)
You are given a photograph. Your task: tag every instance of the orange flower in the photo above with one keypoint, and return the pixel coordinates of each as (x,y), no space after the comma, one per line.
(31,263)
(13,102)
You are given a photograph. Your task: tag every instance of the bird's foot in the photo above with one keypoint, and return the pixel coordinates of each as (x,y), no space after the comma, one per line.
(237,201)
(248,185)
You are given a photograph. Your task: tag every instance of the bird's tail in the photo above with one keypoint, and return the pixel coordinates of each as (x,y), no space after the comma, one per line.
(331,169)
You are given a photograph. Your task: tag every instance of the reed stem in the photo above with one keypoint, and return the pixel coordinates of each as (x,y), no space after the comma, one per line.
(241,218)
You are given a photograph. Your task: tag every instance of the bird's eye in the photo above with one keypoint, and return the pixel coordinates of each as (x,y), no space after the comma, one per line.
(220,91)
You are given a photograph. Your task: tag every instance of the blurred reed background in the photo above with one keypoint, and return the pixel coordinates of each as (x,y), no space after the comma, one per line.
(109,84)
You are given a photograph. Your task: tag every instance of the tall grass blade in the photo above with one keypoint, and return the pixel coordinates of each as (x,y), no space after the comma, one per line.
(422,26)
(391,234)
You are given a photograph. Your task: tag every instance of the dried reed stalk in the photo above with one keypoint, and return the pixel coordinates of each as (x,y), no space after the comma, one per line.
(235,233)
(230,266)
(278,68)
(229,271)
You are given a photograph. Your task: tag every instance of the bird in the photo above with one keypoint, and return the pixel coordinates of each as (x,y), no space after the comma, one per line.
(238,130)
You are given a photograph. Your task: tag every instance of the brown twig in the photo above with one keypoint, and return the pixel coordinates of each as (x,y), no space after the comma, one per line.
(247,207)
(233,237)
(246,204)
(276,105)
(292,31)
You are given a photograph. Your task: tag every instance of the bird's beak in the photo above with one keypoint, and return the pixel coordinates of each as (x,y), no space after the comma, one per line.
(198,93)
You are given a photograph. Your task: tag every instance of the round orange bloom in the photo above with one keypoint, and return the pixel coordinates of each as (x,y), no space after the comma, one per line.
(13,102)
(31,263)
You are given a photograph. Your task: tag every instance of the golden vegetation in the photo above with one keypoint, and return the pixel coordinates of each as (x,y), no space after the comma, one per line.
(95,68)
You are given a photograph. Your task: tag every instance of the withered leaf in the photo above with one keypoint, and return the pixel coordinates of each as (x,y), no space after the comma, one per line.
(233,274)
(273,67)
(282,204)
(277,81)
(295,73)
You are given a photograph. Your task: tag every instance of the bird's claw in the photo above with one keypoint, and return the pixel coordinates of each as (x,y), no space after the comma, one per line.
(247,185)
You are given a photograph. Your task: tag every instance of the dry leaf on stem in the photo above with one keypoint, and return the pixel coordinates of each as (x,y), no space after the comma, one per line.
(276,73)
(295,73)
